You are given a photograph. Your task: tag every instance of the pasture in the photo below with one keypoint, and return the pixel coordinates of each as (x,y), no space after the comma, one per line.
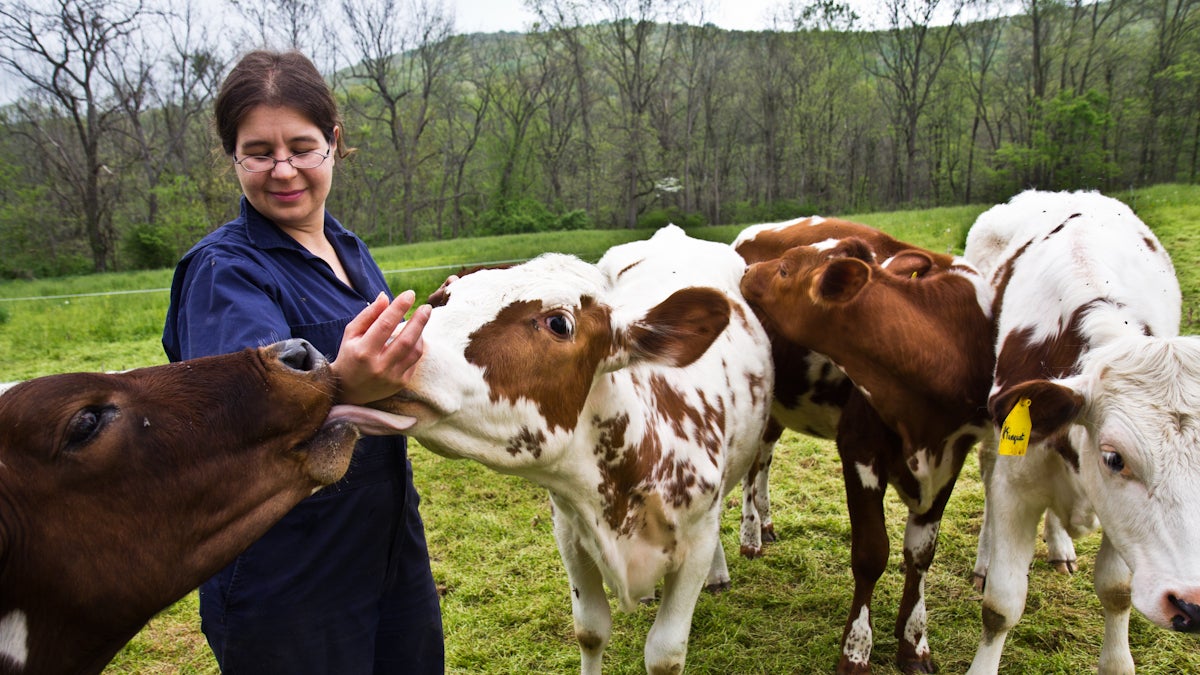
(505,603)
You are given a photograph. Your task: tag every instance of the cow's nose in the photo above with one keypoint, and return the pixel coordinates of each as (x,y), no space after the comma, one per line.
(1188,620)
(299,355)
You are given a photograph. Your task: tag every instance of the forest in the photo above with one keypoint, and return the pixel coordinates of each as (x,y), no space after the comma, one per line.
(604,114)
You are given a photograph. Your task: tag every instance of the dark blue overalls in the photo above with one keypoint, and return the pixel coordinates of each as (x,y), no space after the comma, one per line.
(342,583)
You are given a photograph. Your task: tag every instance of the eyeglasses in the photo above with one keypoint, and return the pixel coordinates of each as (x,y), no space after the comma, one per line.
(301,160)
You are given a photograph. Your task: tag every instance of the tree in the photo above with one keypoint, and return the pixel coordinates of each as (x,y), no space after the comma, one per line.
(72,54)
(908,57)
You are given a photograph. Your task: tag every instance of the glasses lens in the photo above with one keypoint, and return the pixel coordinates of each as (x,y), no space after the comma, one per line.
(257,163)
(308,160)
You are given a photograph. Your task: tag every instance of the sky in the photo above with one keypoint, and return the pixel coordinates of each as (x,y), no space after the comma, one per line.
(485,16)
(496,15)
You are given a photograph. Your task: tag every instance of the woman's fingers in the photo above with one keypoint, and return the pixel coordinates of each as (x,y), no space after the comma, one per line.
(379,348)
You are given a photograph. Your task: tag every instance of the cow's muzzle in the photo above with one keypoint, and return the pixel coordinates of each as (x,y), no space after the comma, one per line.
(1188,620)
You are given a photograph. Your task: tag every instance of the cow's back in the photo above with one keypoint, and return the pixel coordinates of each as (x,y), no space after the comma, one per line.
(1067,263)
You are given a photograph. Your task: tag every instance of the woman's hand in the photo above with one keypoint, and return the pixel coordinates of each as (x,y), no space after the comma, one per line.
(379,349)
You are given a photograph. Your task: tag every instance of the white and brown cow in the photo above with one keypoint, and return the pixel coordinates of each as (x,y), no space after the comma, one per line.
(810,390)
(912,330)
(1087,307)
(120,493)
(635,390)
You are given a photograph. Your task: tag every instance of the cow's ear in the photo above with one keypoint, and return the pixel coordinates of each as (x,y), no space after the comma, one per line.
(840,279)
(1052,406)
(853,247)
(681,328)
(910,264)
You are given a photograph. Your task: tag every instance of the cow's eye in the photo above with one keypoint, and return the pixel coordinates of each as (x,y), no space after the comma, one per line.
(560,325)
(86,423)
(1113,461)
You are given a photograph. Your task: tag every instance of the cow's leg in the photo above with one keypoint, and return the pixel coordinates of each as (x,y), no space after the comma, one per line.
(920,544)
(1059,546)
(667,641)
(865,477)
(718,572)
(1112,582)
(756,526)
(987,465)
(589,604)
(1013,517)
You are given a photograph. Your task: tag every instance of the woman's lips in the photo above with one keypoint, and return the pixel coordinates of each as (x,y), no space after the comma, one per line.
(289,196)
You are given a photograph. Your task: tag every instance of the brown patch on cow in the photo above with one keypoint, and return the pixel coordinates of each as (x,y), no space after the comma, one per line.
(707,422)
(628,267)
(1061,443)
(1022,359)
(523,359)
(611,436)
(1150,244)
(633,476)
(1061,225)
(1003,275)
(528,440)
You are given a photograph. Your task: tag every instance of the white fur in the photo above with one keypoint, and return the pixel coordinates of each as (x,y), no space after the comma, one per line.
(14,638)
(867,476)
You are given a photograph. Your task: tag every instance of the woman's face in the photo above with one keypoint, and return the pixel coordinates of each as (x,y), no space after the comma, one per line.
(292,198)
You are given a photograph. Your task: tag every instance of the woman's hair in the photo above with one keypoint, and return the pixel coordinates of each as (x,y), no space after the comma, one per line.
(269,78)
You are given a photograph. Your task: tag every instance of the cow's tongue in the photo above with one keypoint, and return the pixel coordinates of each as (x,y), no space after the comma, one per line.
(371,422)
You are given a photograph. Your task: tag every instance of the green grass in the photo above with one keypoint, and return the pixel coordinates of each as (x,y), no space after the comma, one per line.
(506,607)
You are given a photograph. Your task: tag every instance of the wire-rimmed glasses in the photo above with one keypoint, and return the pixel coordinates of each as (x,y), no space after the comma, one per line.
(301,160)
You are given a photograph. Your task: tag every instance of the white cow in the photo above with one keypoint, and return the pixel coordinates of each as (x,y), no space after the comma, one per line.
(1087,308)
(635,390)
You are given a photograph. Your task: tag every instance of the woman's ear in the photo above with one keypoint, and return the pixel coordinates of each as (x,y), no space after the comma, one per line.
(337,139)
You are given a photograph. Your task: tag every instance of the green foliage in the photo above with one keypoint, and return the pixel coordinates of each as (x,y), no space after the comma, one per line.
(180,221)
(525,215)
(147,248)
(656,218)
(770,212)
(1068,148)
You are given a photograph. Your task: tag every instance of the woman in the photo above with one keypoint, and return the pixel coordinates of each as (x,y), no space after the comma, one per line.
(342,584)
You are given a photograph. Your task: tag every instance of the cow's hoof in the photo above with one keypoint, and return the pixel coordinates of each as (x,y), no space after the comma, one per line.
(1065,566)
(768,534)
(719,587)
(751,552)
(917,666)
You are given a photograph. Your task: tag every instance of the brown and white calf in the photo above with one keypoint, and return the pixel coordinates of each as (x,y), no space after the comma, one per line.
(912,330)
(120,493)
(810,390)
(635,390)
(1087,308)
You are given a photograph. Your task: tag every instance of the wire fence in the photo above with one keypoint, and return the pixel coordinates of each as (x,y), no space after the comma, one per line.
(405,270)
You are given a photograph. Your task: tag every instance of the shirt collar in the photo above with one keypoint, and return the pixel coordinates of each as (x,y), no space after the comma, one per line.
(265,234)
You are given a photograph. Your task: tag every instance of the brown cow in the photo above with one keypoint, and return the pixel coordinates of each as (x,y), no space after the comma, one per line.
(912,330)
(120,493)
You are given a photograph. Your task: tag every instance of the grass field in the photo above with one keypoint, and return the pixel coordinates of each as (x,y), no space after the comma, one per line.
(506,607)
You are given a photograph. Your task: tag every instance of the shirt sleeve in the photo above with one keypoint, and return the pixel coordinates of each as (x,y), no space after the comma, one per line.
(226,304)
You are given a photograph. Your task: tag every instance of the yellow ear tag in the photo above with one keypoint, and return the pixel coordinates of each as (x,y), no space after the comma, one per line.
(1014,435)
(914,275)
